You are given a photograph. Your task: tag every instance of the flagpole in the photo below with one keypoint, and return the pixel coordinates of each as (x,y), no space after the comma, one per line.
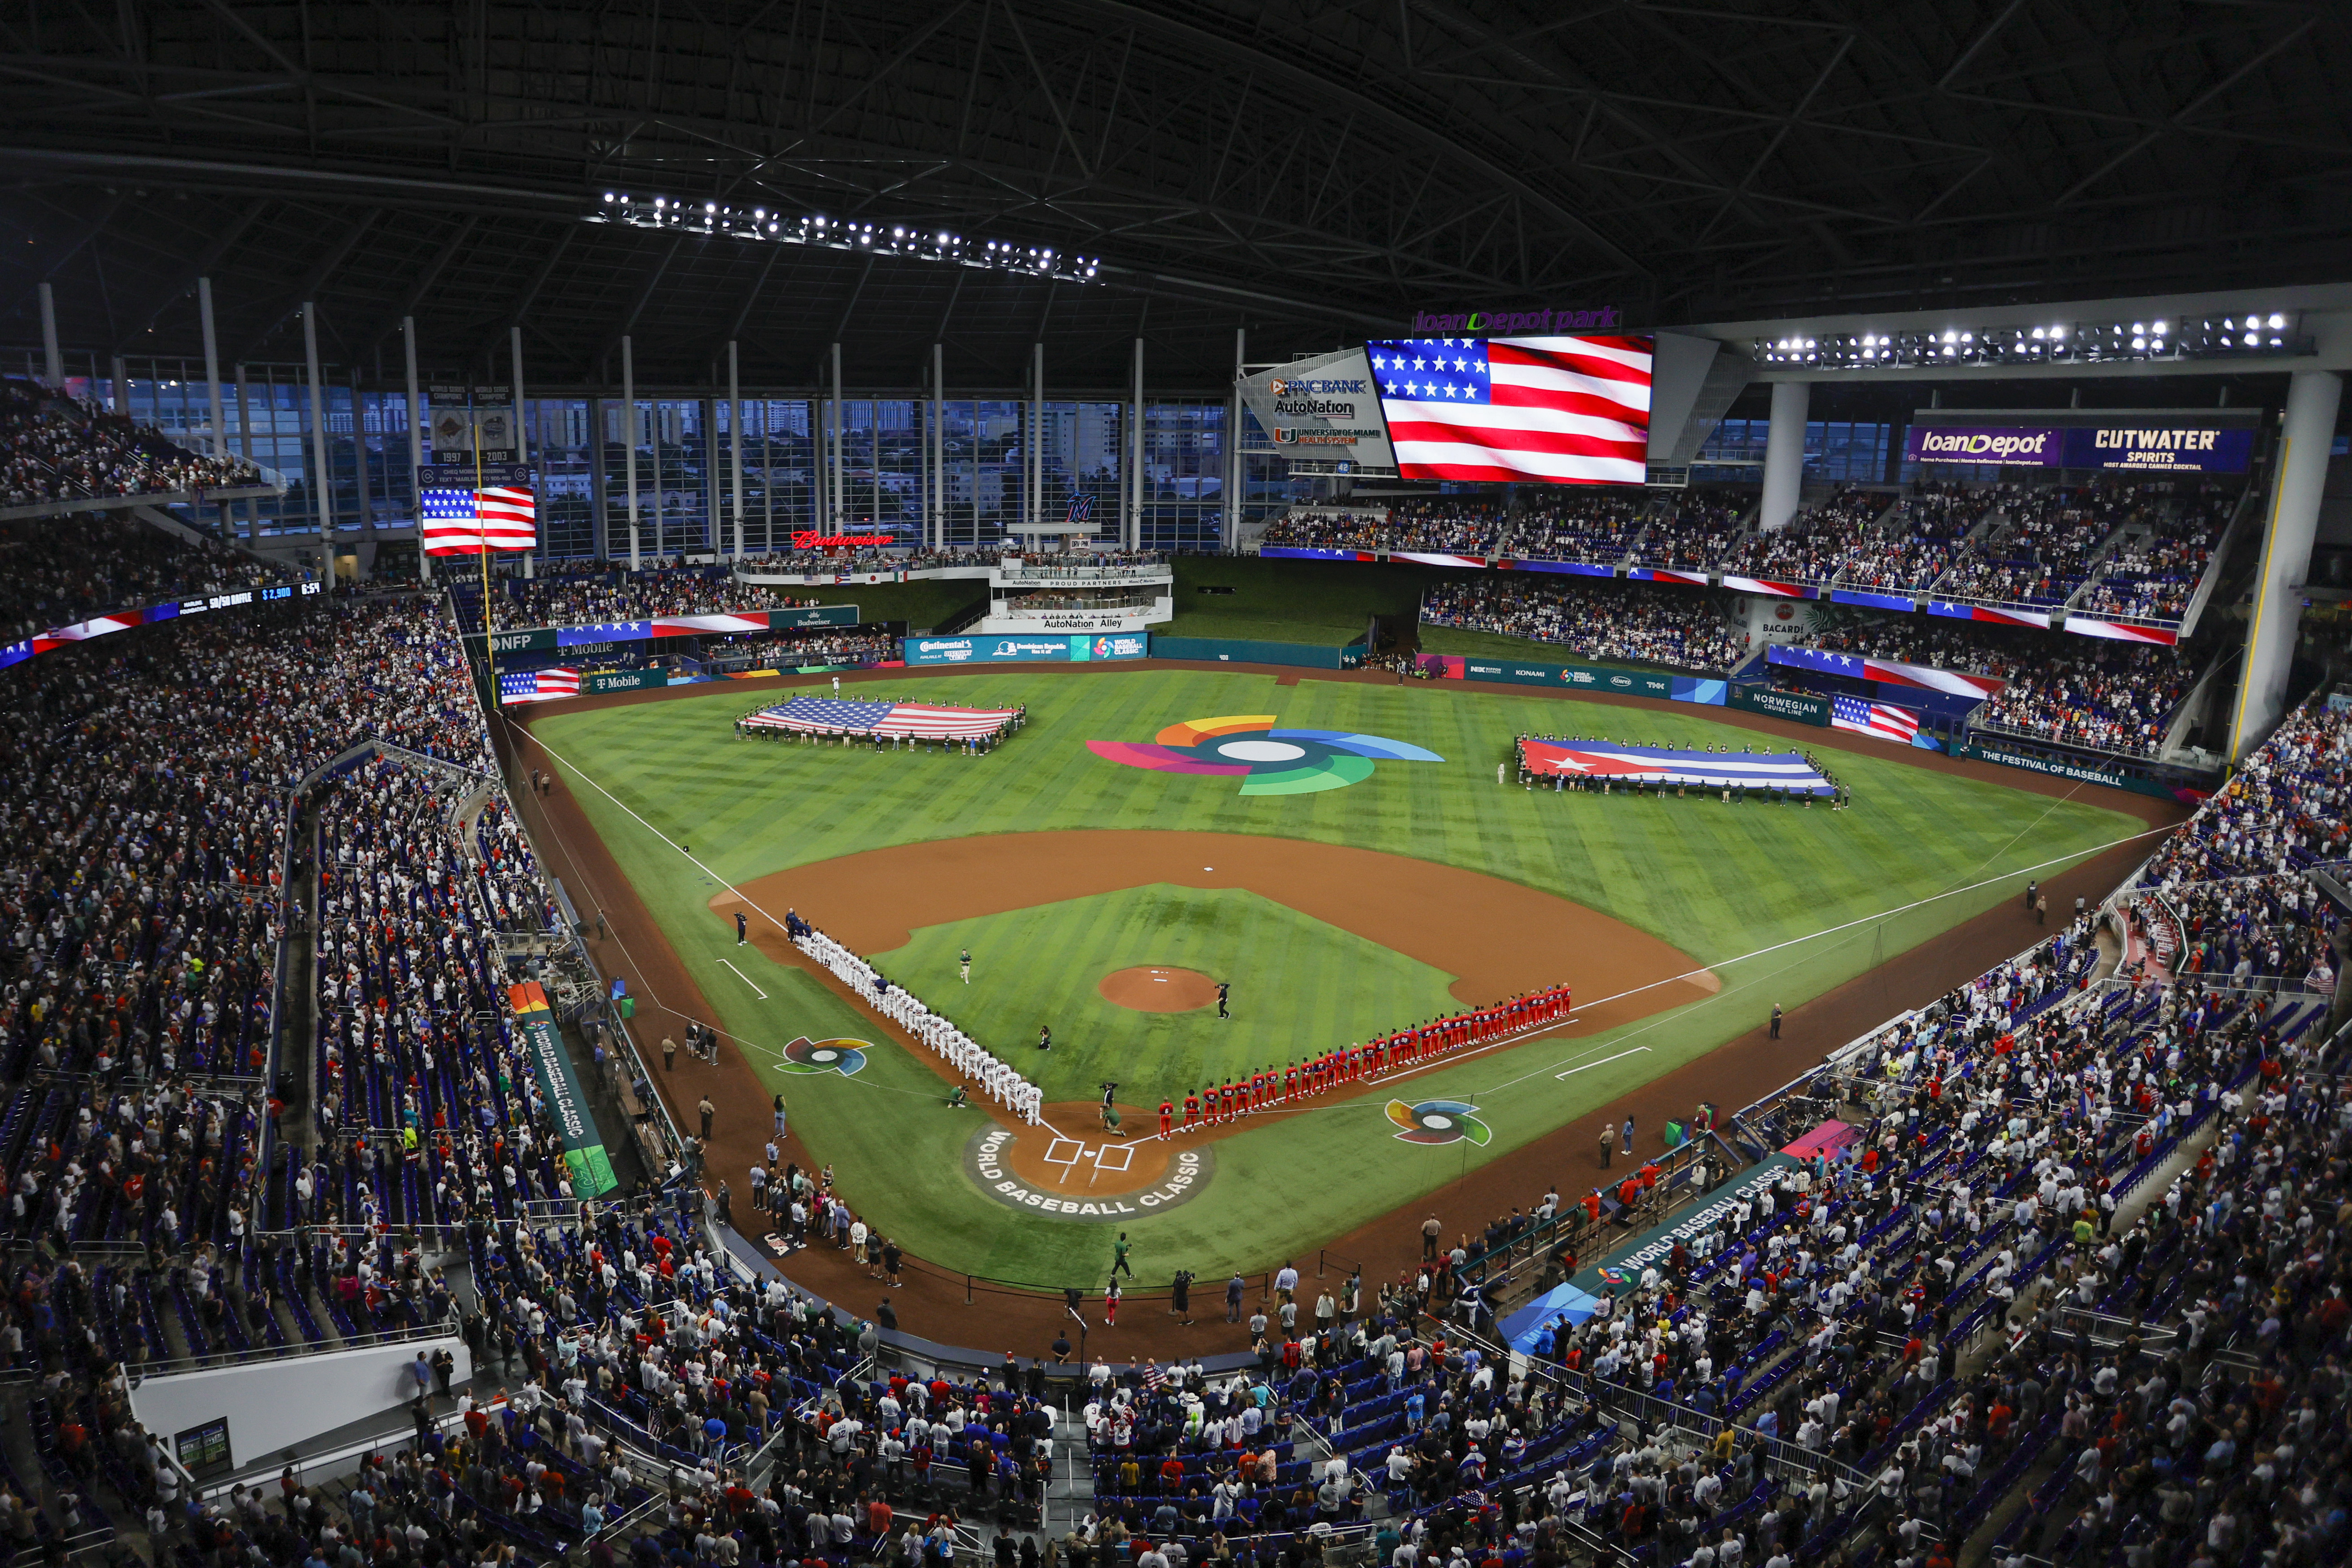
(482,547)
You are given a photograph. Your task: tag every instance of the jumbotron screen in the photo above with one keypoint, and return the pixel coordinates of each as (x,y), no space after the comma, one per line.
(1552,410)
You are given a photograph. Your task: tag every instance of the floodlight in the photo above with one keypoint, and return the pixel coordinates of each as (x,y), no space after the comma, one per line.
(2277,320)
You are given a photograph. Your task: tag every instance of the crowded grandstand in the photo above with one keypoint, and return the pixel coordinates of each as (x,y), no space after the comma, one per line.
(1154,786)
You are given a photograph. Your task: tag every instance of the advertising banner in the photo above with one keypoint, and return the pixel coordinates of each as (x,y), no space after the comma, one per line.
(2160,448)
(624,680)
(1862,667)
(1324,410)
(1572,568)
(1999,615)
(1297,553)
(1794,706)
(813,615)
(1904,602)
(551,1066)
(124,620)
(2152,449)
(1621,1269)
(2113,779)
(504,642)
(999,649)
(1582,677)
(2037,447)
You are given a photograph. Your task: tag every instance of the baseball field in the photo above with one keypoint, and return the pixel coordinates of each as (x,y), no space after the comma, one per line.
(1105,900)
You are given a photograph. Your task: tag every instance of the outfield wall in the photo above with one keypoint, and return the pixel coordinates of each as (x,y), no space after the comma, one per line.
(1242,650)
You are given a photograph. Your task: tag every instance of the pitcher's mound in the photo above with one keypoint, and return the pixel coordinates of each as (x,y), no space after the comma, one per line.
(1157,990)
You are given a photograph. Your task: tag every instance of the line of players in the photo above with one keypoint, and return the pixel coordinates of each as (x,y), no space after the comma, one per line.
(1358,1064)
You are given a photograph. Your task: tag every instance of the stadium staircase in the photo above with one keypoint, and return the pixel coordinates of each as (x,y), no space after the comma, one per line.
(1070,1494)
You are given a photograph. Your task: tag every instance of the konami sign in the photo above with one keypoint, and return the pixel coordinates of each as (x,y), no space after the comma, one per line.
(810,539)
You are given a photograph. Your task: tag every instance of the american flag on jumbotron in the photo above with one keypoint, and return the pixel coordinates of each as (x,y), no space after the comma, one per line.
(824,715)
(538,685)
(1879,718)
(460,522)
(1561,410)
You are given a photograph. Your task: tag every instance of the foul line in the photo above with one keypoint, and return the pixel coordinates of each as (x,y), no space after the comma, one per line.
(746,980)
(690,858)
(2072,856)
(1603,1062)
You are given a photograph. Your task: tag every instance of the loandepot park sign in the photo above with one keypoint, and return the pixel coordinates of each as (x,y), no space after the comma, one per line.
(1503,321)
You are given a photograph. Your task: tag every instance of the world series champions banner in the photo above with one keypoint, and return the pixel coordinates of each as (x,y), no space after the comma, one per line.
(575,1125)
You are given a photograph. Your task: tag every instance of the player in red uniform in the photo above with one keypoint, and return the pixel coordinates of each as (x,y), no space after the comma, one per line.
(1192,1108)
(1167,1117)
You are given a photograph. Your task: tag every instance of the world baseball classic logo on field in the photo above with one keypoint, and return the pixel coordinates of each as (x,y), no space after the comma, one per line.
(1092,1184)
(843,1057)
(1433,1122)
(1268,761)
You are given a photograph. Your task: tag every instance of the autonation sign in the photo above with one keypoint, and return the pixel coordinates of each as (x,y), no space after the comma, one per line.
(1005,649)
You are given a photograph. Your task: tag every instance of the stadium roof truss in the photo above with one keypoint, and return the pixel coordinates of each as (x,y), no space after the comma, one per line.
(1308,171)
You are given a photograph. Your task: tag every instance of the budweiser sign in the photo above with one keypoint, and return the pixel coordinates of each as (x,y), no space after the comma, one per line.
(810,539)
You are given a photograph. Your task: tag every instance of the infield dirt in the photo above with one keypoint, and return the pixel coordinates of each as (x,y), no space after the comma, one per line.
(1154,989)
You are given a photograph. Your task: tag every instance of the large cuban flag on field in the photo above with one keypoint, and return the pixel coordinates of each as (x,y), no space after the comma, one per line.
(1660,764)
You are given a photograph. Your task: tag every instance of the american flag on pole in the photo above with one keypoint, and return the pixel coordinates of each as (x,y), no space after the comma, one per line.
(461,522)
(827,715)
(1882,719)
(1562,410)
(538,685)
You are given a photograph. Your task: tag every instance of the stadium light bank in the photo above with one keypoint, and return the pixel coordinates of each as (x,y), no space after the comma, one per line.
(2251,335)
(908,241)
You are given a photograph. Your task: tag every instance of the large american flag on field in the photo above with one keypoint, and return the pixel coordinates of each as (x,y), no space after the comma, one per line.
(1564,410)
(822,715)
(460,522)
(1880,719)
(538,685)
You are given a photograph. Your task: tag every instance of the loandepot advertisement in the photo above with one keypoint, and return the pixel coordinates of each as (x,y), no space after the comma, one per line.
(1007,649)
(584,1146)
(1324,410)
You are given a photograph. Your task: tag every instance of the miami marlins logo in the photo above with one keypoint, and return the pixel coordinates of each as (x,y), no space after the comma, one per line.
(804,1055)
(1437,1121)
(1266,760)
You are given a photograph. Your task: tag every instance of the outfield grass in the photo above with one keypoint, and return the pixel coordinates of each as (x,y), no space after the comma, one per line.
(1040,965)
(1719,883)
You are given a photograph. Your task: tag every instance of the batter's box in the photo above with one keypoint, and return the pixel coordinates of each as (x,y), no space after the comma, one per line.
(1053,1155)
(1126,1152)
